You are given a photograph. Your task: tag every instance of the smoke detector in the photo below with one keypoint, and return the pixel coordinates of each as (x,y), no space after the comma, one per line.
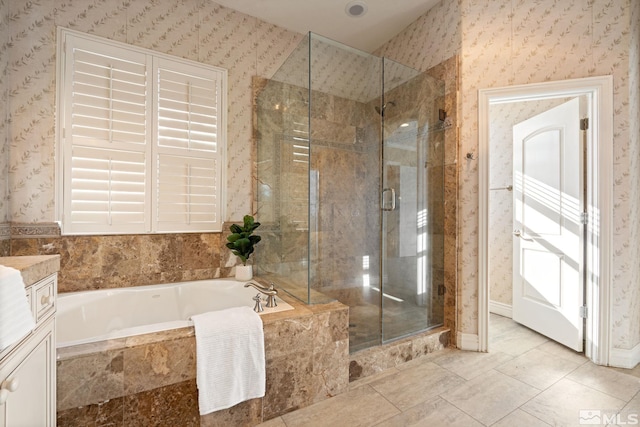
(356,9)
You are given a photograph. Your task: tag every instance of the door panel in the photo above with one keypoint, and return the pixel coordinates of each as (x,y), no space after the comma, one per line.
(548,282)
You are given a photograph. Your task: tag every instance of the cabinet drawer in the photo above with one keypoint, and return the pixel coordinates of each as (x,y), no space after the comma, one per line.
(44,296)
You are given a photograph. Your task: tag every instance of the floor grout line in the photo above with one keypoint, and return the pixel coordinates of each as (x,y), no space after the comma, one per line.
(457,360)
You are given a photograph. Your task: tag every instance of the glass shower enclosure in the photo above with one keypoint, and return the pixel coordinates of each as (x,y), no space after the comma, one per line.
(350,187)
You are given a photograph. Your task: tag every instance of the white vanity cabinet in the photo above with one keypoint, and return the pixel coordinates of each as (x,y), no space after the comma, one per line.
(28,368)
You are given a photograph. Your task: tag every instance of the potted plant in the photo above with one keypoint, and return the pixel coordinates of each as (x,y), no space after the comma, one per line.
(241,242)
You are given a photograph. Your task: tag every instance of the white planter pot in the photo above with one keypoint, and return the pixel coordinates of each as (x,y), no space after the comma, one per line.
(244,272)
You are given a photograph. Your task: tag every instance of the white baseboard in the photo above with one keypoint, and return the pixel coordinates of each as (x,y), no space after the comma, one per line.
(501,308)
(468,342)
(623,358)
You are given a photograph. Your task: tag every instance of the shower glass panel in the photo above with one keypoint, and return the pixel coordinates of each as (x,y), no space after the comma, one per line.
(412,202)
(350,187)
(344,250)
(282,144)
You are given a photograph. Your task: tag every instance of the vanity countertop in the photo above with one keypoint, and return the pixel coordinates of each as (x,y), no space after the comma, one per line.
(33,268)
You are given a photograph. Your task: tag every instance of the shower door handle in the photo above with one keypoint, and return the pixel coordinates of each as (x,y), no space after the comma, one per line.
(386,202)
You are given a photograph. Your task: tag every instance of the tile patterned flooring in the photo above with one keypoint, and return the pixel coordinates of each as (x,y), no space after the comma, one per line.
(525,381)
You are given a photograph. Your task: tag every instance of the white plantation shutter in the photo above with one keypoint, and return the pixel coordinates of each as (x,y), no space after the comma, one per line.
(187,108)
(142,139)
(187,155)
(187,188)
(106,139)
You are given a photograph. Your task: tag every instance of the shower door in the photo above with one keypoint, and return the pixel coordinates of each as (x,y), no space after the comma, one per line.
(350,165)
(411,196)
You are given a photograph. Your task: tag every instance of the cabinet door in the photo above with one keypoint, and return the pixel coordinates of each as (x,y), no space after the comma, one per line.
(32,403)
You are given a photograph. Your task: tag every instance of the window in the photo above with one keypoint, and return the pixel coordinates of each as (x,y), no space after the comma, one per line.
(141,139)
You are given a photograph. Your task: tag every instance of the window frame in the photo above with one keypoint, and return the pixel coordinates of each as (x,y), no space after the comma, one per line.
(63,146)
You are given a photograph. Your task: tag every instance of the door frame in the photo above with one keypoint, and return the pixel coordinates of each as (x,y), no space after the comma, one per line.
(599,202)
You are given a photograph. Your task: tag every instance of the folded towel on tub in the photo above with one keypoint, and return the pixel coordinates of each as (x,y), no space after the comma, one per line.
(230,361)
(16,319)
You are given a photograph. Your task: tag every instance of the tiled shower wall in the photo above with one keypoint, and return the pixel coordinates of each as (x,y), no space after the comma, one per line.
(345,151)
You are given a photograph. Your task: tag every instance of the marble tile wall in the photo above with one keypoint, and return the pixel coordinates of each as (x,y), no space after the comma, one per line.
(510,42)
(345,153)
(5,239)
(341,179)
(150,379)
(98,262)
(448,71)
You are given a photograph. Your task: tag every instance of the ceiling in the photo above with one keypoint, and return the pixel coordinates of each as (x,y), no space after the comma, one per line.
(382,20)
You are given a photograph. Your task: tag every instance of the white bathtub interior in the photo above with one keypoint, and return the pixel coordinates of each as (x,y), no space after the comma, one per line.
(92,316)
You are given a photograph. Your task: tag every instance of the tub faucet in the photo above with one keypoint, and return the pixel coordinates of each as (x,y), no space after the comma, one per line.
(258,307)
(270,292)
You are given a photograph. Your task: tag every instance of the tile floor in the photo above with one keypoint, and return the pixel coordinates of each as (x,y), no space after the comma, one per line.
(525,381)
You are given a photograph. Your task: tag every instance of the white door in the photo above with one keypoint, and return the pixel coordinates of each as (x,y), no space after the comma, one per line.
(548,196)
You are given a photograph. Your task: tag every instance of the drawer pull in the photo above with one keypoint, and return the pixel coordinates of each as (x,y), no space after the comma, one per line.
(46,299)
(8,386)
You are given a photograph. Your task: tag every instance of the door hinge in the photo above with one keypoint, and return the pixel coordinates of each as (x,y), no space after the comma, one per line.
(584,311)
(584,218)
(584,124)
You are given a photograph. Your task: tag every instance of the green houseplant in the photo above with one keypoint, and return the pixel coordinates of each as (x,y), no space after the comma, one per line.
(241,241)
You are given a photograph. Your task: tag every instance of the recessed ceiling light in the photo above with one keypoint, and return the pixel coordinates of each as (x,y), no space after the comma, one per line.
(356,9)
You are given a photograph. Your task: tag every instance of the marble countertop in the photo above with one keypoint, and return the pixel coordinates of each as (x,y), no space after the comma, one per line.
(33,268)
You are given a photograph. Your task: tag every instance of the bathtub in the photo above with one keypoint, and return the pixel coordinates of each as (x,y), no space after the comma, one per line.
(92,316)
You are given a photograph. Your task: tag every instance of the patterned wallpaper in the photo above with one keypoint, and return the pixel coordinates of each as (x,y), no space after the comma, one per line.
(431,39)
(4,142)
(506,42)
(634,169)
(195,29)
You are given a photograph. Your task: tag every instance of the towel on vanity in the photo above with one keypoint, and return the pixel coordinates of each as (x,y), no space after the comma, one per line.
(16,319)
(230,362)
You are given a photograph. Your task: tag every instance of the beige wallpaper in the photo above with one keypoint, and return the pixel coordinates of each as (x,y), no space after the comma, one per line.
(634,168)
(504,42)
(4,143)
(195,29)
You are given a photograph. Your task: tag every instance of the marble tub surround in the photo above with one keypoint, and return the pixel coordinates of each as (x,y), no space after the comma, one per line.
(125,381)
(114,261)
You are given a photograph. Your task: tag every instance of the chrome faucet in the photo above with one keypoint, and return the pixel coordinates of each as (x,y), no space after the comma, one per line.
(270,292)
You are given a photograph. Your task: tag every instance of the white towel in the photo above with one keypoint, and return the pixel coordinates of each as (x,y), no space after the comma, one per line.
(230,362)
(16,319)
